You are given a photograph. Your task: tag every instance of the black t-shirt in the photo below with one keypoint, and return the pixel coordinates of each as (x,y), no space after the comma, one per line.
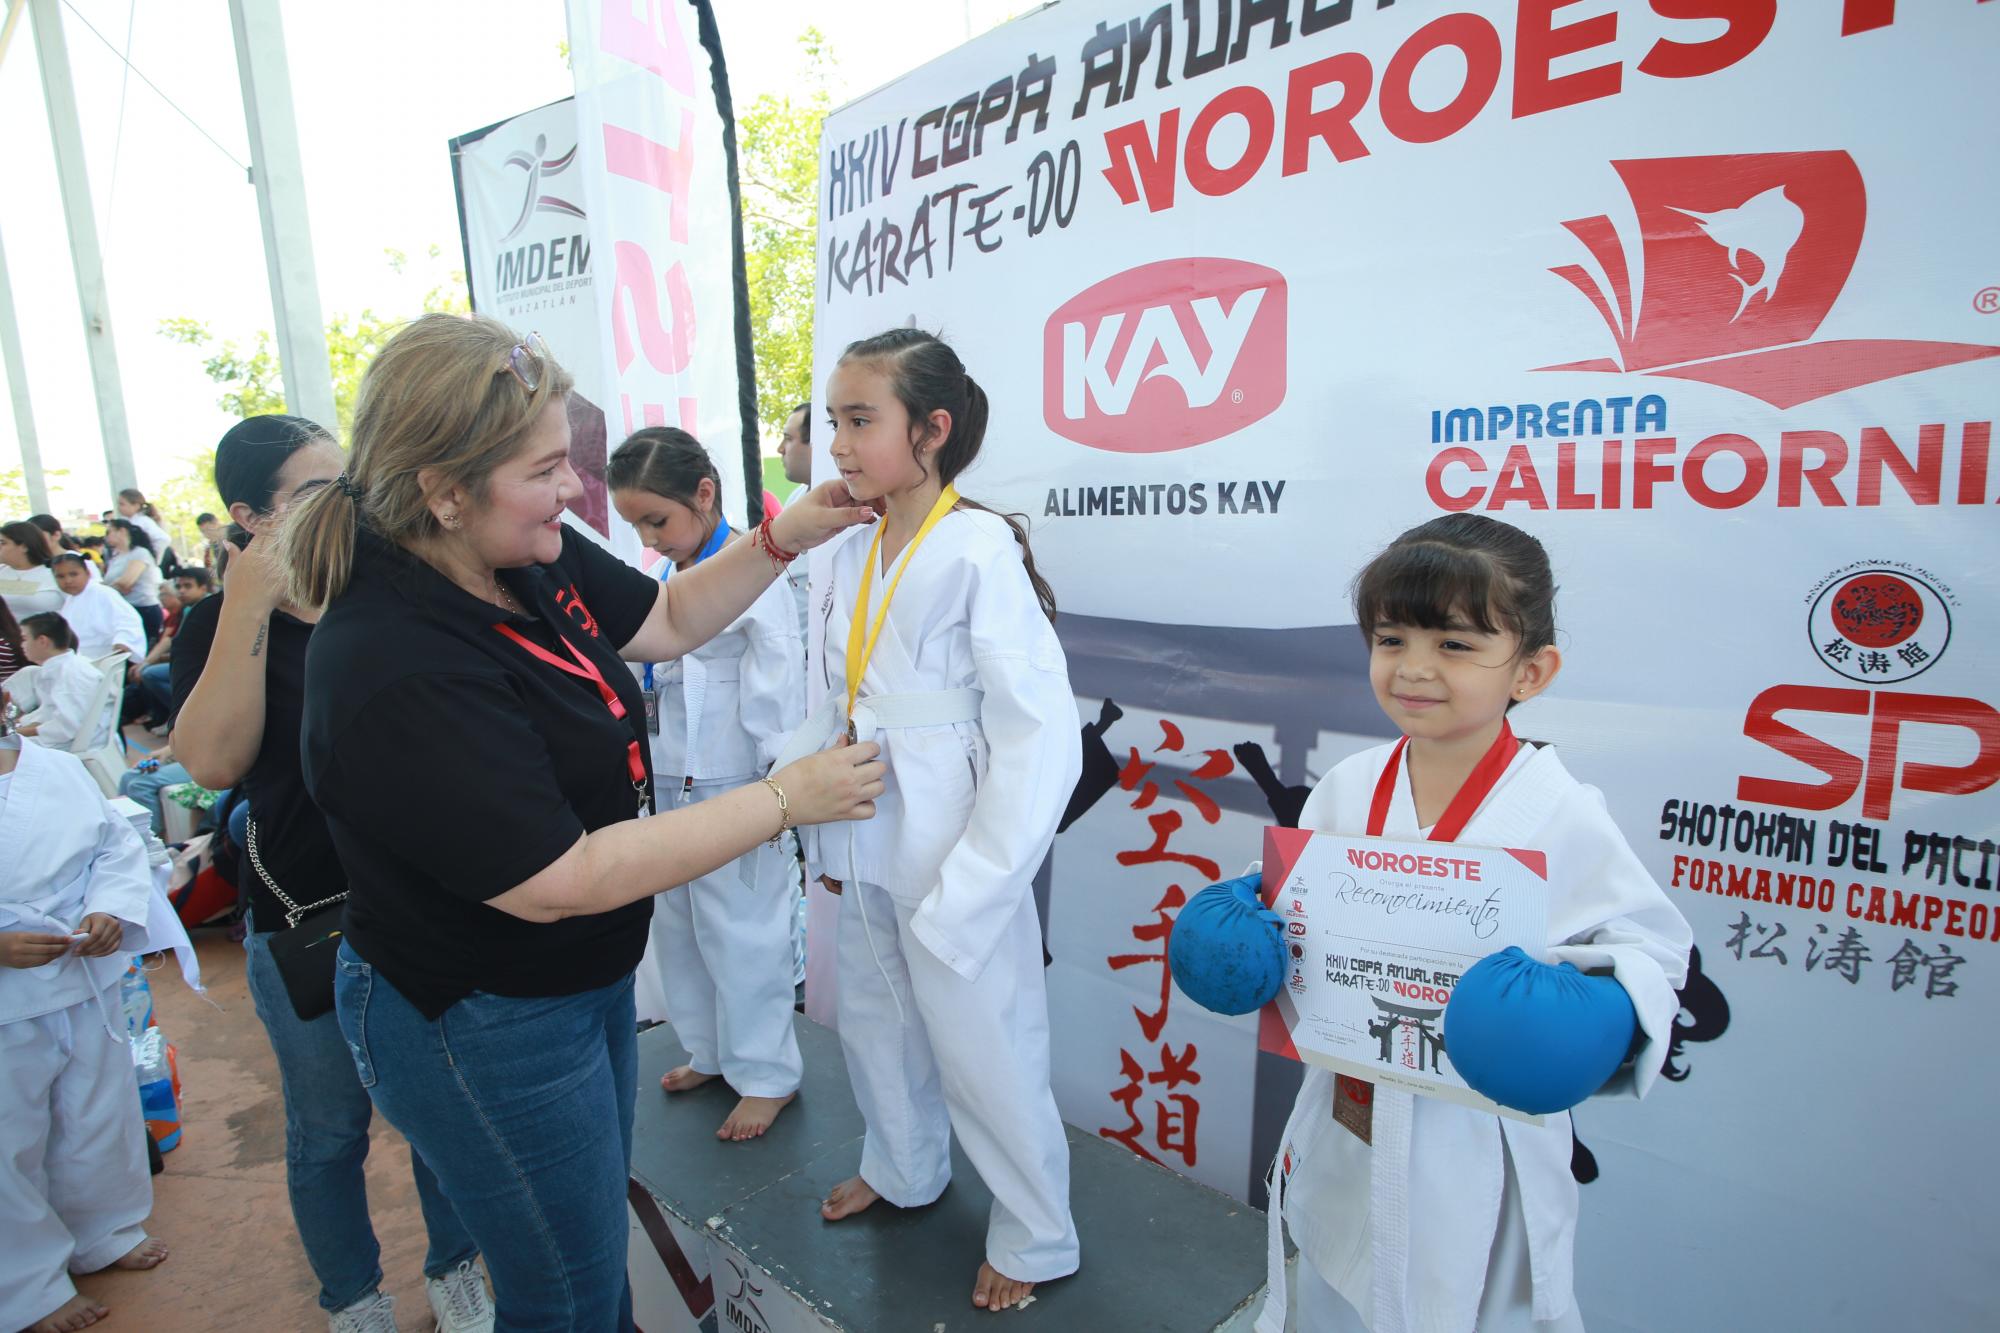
(292,838)
(453,764)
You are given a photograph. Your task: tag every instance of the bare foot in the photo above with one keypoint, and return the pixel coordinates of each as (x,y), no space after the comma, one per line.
(77,1312)
(847,1198)
(752,1116)
(683,1077)
(148,1253)
(995,1291)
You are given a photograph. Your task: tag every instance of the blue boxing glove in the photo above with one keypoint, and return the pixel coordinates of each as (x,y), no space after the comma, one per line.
(1227,950)
(1537,1038)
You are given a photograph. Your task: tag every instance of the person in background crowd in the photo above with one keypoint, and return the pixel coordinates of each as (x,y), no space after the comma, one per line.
(151,692)
(57,697)
(480,751)
(74,1189)
(212,539)
(238,676)
(103,622)
(192,584)
(796,451)
(134,570)
(135,509)
(12,657)
(26,581)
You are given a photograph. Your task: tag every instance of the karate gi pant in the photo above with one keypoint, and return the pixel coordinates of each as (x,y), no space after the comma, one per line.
(75,1190)
(964,1057)
(724,948)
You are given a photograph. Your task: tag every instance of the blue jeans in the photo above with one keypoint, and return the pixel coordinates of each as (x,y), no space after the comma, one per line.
(326,1142)
(155,686)
(145,788)
(509,1100)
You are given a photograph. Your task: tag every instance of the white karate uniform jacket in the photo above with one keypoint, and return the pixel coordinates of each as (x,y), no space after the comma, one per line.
(58,697)
(970,808)
(1435,1170)
(104,622)
(727,707)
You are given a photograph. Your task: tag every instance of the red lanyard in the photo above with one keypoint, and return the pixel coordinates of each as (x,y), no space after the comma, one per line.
(585,669)
(1484,777)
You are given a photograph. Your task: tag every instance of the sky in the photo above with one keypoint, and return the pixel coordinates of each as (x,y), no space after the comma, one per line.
(379,87)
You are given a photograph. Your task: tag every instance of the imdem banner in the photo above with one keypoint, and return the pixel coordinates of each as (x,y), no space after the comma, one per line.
(1703,295)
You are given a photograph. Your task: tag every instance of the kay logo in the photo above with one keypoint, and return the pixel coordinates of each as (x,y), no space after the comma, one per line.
(1166,356)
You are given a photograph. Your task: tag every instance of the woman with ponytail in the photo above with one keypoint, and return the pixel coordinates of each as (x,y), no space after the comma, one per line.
(238,686)
(956,672)
(480,752)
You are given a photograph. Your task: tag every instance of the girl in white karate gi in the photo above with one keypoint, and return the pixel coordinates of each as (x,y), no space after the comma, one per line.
(57,696)
(1446,1219)
(951,664)
(74,1186)
(723,942)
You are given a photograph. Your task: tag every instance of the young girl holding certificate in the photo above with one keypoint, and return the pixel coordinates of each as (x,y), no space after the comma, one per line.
(1416,1213)
(951,665)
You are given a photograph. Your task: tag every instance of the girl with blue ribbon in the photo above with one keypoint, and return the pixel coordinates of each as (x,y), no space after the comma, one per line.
(719,715)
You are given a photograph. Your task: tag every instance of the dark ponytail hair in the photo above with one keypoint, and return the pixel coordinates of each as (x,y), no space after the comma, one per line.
(51,626)
(668,462)
(133,531)
(135,496)
(58,539)
(30,539)
(10,629)
(1461,568)
(254,450)
(928,377)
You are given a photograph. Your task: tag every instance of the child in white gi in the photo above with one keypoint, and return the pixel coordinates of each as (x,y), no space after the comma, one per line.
(58,693)
(74,1185)
(950,663)
(1413,1212)
(723,942)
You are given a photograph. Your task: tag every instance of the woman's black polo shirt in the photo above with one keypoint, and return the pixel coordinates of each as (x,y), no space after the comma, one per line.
(452,765)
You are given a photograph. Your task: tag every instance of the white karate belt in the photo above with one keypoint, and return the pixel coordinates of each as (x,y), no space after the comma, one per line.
(874,713)
(880,712)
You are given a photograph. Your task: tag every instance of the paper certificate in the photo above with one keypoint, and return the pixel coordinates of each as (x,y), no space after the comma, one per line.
(1377,934)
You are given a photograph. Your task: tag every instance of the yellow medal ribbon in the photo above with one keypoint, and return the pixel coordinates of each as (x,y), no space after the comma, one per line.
(859,648)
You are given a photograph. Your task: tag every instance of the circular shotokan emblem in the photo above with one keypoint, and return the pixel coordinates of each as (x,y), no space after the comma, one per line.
(1879,625)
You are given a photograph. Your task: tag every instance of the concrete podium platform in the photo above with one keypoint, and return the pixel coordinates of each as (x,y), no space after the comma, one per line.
(1160,1252)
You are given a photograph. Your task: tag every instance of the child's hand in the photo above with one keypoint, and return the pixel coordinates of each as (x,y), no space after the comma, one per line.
(103,934)
(25,949)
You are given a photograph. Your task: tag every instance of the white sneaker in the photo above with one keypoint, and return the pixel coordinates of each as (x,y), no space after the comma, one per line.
(370,1314)
(459,1300)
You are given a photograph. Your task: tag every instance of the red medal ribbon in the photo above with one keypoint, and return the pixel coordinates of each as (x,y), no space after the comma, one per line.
(585,669)
(1480,783)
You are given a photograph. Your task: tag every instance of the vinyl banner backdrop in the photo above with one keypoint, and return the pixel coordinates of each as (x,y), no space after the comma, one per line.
(1706,296)
(608,223)
(528,263)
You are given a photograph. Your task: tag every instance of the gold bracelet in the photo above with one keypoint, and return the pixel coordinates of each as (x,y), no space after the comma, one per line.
(784,810)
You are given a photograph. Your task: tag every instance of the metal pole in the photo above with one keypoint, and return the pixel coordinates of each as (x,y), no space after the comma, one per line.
(17,388)
(60,94)
(281,204)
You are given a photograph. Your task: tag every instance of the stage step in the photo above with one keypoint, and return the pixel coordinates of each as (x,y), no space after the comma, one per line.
(727,1236)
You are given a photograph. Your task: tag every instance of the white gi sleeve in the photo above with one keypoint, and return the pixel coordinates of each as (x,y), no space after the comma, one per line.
(1035,755)
(1621,920)
(771,684)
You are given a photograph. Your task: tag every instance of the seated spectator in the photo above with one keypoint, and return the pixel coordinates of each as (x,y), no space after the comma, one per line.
(26,581)
(102,621)
(146,782)
(134,508)
(59,695)
(12,658)
(134,570)
(192,584)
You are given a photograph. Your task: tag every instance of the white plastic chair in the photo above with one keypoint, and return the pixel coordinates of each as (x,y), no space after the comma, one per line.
(105,761)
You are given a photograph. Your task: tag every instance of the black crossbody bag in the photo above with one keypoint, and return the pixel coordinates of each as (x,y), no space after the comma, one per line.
(304,949)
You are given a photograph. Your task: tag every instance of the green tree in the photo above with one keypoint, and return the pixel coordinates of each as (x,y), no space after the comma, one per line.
(778,166)
(14,503)
(251,379)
